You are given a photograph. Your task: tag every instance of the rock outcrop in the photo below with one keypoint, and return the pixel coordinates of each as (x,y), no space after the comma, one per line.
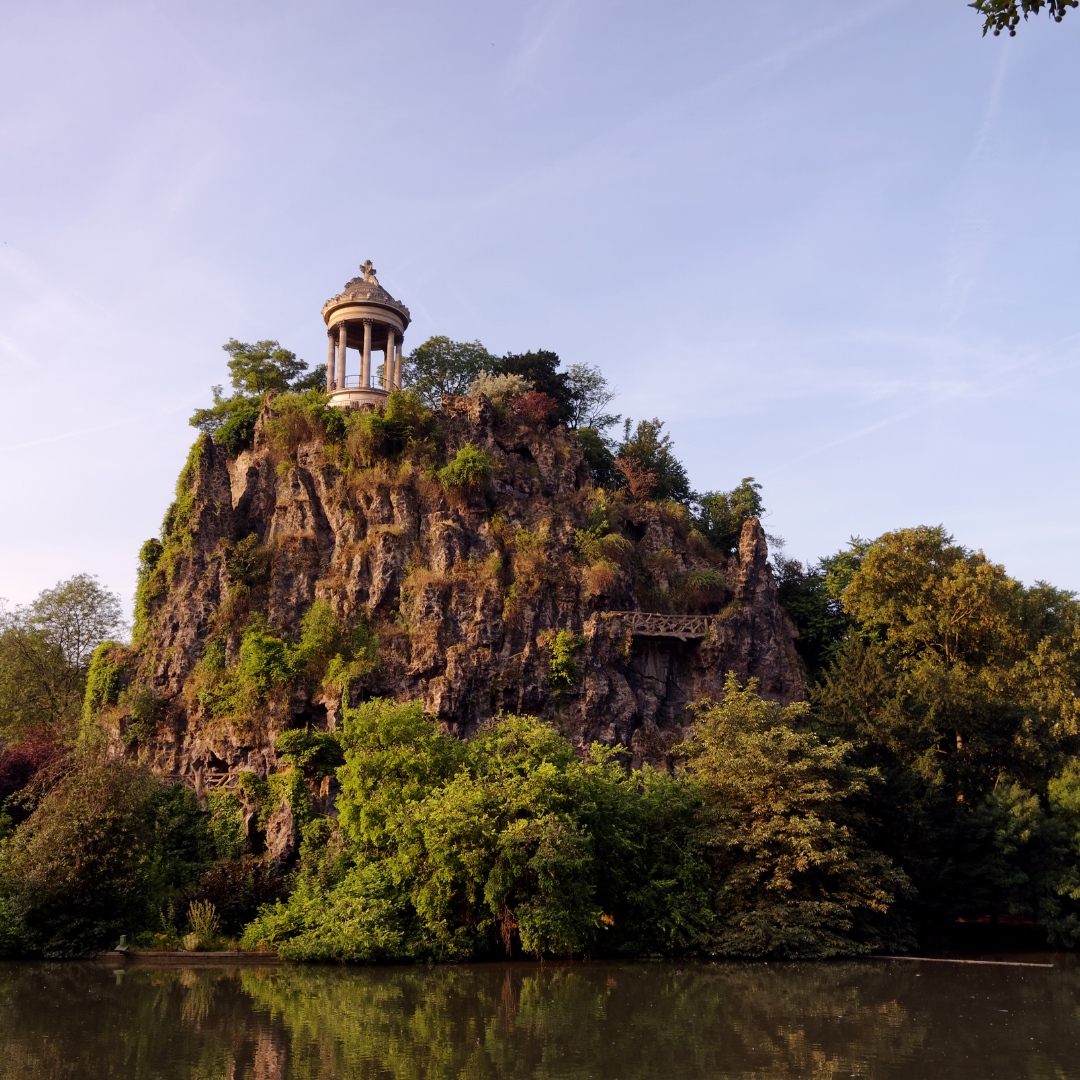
(465,589)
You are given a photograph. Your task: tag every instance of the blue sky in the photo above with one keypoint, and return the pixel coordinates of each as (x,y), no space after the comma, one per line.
(831,245)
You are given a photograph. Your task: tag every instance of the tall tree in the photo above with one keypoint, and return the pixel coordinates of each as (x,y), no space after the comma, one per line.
(794,875)
(653,452)
(720,515)
(588,396)
(253,370)
(45,651)
(441,366)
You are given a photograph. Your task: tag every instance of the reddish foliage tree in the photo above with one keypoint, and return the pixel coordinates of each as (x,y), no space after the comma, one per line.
(639,481)
(20,764)
(535,405)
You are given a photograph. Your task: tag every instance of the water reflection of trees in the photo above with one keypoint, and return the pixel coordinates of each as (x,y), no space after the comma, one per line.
(519,1020)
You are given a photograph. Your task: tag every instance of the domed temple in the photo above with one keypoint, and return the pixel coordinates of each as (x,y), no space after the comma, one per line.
(363,316)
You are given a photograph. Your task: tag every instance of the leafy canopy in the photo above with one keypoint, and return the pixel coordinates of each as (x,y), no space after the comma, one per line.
(794,875)
(720,515)
(441,366)
(45,652)
(652,451)
(1001,15)
(254,369)
(507,843)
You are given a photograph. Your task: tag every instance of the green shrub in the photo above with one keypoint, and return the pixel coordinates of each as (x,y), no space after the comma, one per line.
(793,875)
(237,433)
(405,427)
(226,824)
(332,654)
(506,843)
(265,663)
(313,752)
(564,671)
(149,557)
(471,466)
(104,680)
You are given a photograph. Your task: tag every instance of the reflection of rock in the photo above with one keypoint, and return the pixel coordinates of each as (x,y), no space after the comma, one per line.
(282,835)
(269,1059)
(463,606)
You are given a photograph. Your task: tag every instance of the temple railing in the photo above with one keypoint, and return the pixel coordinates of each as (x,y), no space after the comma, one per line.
(649,624)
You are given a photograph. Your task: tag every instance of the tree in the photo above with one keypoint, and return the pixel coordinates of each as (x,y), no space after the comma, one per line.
(637,479)
(1001,15)
(720,515)
(588,395)
(104,843)
(507,843)
(253,370)
(599,456)
(813,597)
(441,366)
(539,368)
(959,684)
(45,651)
(652,452)
(793,873)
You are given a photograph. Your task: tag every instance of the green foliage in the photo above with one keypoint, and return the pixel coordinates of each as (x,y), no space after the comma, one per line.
(105,846)
(265,664)
(45,654)
(149,557)
(794,874)
(441,366)
(226,824)
(253,370)
(652,452)
(1001,15)
(471,466)
(599,456)
(564,671)
(959,684)
(508,842)
(813,598)
(405,427)
(499,388)
(329,653)
(236,431)
(313,752)
(203,921)
(588,395)
(104,680)
(333,654)
(720,515)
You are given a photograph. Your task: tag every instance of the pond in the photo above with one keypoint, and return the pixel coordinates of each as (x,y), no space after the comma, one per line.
(618,1021)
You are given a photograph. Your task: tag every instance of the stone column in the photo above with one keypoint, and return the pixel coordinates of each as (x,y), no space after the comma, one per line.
(388,367)
(330,364)
(365,362)
(397,364)
(343,337)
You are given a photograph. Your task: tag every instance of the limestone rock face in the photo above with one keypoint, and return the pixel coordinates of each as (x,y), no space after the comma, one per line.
(465,588)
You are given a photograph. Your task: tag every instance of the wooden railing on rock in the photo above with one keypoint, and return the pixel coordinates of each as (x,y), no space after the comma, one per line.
(202,783)
(649,624)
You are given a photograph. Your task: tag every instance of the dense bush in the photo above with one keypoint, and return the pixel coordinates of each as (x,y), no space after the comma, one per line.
(511,842)
(106,845)
(471,466)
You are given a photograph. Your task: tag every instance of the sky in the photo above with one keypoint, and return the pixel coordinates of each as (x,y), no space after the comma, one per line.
(832,246)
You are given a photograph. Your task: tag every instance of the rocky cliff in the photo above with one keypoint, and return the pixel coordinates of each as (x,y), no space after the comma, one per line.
(313,565)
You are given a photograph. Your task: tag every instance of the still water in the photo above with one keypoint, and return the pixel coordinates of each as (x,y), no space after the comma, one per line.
(618,1021)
